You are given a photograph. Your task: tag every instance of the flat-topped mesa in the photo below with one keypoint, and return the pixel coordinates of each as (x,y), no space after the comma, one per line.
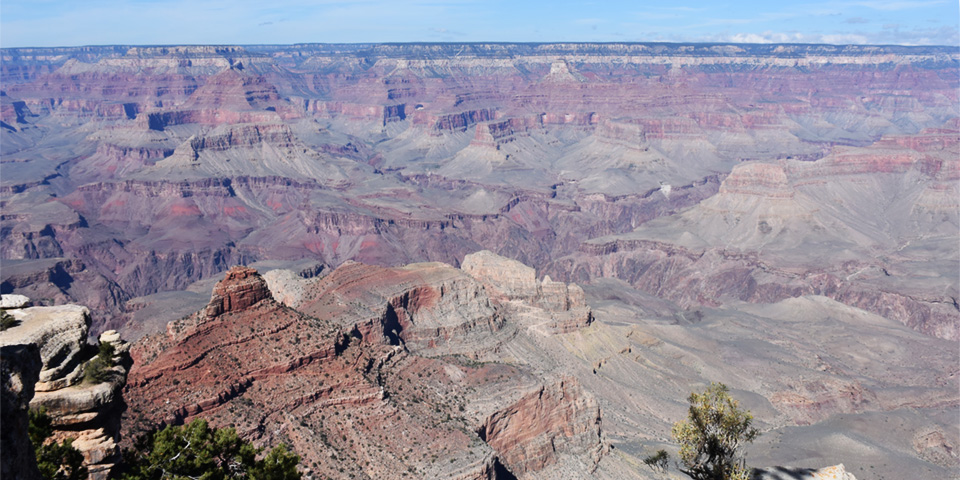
(560,71)
(623,133)
(757,179)
(241,288)
(564,307)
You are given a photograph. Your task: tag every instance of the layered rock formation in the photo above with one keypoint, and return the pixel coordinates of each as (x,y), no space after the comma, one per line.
(354,374)
(391,154)
(555,418)
(84,409)
(516,284)
(61,334)
(427,307)
(768,235)
(240,289)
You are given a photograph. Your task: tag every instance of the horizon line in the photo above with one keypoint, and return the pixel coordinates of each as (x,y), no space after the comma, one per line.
(692,43)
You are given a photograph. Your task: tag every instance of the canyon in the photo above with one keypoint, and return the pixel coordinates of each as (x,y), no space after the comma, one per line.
(503,260)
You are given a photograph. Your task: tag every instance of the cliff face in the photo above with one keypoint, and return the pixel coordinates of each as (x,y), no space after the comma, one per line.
(19,372)
(240,289)
(531,432)
(82,407)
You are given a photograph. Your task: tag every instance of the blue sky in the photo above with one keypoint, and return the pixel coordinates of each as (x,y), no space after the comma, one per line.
(150,22)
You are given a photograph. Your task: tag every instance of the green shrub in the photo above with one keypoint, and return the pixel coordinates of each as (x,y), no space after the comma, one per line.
(658,461)
(198,451)
(7,320)
(712,436)
(56,461)
(98,368)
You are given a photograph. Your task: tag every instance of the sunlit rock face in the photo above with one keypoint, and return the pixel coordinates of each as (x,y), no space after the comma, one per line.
(81,407)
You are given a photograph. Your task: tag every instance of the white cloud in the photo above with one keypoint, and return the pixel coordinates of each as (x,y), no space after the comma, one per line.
(843,39)
(928,36)
(893,5)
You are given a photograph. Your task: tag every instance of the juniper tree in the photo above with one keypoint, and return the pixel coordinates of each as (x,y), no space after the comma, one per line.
(712,436)
(196,451)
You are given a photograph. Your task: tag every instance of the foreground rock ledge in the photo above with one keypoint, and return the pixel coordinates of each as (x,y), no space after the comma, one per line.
(87,412)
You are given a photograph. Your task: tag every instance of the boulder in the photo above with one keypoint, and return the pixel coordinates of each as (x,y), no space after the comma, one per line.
(836,472)
(61,333)
(14,301)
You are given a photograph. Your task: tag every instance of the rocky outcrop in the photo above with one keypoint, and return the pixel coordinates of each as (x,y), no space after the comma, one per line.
(497,133)
(507,278)
(19,370)
(564,305)
(558,418)
(814,401)
(244,136)
(560,72)
(757,179)
(14,301)
(430,307)
(241,288)
(453,122)
(836,472)
(935,446)
(625,133)
(86,409)
(61,334)
(286,286)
